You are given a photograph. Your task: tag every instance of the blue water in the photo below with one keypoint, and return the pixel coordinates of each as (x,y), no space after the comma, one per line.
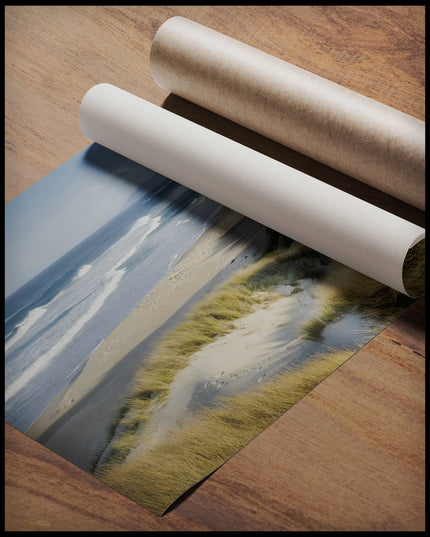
(55,321)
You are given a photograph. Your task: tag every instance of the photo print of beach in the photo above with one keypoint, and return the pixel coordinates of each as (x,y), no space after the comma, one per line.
(150,333)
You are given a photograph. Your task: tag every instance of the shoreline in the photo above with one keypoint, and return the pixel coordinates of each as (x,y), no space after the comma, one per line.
(74,424)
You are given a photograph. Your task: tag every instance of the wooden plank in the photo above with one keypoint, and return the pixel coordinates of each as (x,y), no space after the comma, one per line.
(350,454)
(43,491)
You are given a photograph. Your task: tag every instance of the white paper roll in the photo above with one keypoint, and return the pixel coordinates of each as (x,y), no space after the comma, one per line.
(347,229)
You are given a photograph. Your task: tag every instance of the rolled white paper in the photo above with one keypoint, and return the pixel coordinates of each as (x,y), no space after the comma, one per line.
(364,237)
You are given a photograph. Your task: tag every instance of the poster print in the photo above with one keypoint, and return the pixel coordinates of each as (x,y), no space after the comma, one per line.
(151,333)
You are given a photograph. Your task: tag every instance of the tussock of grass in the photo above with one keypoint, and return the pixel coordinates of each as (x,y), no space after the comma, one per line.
(162,474)
(414,270)
(213,317)
(366,295)
(156,477)
(296,263)
(312,329)
(354,292)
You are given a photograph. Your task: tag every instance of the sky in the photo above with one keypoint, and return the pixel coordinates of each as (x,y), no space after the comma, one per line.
(63,208)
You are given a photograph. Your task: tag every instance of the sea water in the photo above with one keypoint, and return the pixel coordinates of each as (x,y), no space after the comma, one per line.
(55,321)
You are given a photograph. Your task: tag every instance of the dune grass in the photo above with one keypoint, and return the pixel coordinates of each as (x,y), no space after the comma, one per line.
(313,328)
(351,291)
(160,475)
(213,317)
(414,269)
(286,266)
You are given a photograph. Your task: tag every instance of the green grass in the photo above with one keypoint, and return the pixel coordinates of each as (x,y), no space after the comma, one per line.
(213,317)
(312,329)
(160,475)
(287,266)
(354,292)
(414,270)
(369,296)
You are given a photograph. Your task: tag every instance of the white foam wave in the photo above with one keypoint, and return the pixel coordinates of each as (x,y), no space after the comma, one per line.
(43,361)
(124,258)
(82,271)
(153,225)
(139,223)
(136,234)
(172,261)
(22,328)
(179,222)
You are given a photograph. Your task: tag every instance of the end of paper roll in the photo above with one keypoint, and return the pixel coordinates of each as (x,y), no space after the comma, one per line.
(156,51)
(414,270)
(89,105)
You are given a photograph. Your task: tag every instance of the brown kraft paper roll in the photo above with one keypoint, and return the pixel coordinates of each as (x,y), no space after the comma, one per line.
(354,134)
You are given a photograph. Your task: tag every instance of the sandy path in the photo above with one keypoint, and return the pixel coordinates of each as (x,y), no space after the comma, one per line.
(259,340)
(74,424)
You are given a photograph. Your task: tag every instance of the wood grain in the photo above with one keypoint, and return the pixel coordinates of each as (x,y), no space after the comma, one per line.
(350,455)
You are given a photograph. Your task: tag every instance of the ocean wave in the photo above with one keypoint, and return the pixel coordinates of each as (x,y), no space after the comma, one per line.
(22,328)
(137,234)
(82,271)
(153,225)
(32,317)
(172,261)
(139,223)
(42,363)
(179,222)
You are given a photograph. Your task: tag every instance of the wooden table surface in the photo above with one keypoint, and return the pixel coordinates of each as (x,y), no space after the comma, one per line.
(349,455)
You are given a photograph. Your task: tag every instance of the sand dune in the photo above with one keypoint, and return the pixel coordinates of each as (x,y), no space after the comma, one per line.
(74,424)
(242,357)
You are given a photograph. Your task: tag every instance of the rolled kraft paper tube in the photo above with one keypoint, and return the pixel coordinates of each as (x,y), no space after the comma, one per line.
(363,138)
(358,234)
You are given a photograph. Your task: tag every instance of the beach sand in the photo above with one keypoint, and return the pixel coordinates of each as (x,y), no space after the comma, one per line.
(75,423)
(239,359)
